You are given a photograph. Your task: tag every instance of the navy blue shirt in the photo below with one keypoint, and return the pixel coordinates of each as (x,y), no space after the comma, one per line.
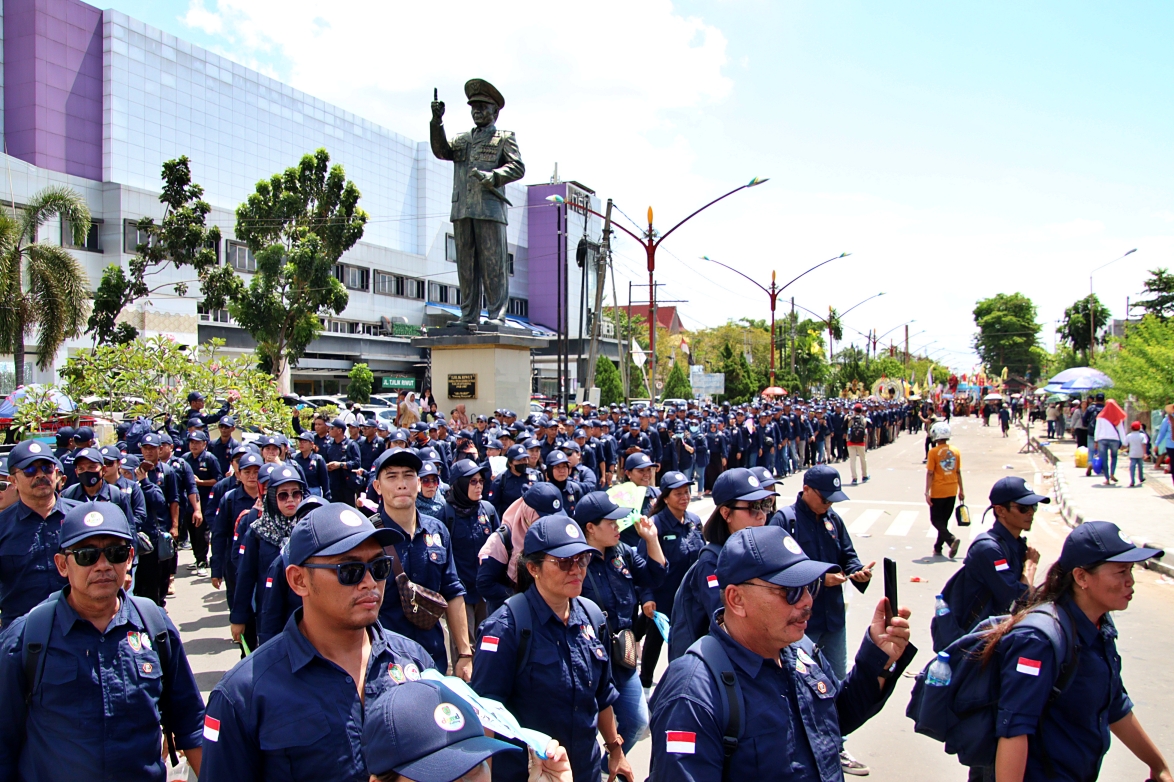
(313,468)
(97,715)
(681,542)
(285,712)
(1075,733)
(614,580)
(251,571)
(469,530)
(509,487)
(106,493)
(562,689)
(28,542)
(205,468)
(988,582)
(799,743)
(224,535)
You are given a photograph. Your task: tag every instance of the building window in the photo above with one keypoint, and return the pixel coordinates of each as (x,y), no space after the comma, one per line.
(450,248)
(91,243)
(511,262)
(519,308)
(439,293)
(417,289)
(212,316)
(132,237)
(241,258)
(384,283)
(352,276)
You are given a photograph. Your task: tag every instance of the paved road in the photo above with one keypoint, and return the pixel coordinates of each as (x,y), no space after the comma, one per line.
(886,517)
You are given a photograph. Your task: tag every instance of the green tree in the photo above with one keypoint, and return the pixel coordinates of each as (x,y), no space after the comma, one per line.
(1143,364)
(298,224)
(359,389)
(1074,329)
(607,378)
(1160,286)
(180,240)
(1008,335)
(677,385)
(42,285)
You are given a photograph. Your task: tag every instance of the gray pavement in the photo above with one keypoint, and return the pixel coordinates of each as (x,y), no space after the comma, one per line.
(886,517)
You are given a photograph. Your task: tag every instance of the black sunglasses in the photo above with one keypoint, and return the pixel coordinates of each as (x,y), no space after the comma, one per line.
(88,556)
(39,466)
(351,573)
(792,594)
(566,563)
(296,494)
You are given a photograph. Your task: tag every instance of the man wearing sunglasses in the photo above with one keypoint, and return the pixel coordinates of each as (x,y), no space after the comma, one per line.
(29,531)
(999,568)
(795,705)
(294,709)
(93,710)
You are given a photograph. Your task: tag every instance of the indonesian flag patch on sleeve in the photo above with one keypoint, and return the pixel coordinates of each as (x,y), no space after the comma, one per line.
(211,728)
(489,643)
(711,580)
(681,742)
(1001,564)
(268,583)
(1028,666)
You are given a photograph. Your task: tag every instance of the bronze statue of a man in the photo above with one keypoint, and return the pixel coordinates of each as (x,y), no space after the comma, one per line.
(485,160)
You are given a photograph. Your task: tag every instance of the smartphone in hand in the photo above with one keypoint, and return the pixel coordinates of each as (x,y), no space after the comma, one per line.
(890,590)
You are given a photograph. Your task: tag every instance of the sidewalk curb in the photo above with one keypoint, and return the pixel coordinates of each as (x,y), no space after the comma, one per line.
(1072,516)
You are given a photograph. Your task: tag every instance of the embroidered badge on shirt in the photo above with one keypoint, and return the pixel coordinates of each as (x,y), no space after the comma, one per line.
(711,580)
(1030,667)
(489,643)
(680,742)
(827,524)
(135,644)
(396,673)
(1001,564)
(211,728)
(599,653)
(800,667)
(145,640)
(147,667)
(805,657)
(412,672)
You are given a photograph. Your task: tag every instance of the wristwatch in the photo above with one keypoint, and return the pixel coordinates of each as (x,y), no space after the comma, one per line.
(887,673)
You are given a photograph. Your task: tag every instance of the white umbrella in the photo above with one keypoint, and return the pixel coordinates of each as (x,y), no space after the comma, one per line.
(993,398)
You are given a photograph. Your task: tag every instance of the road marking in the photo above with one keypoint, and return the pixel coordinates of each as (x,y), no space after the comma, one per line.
(865,520)
(902,524)
(878,502)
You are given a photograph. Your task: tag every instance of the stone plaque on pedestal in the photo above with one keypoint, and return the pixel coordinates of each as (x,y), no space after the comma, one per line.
(484,371)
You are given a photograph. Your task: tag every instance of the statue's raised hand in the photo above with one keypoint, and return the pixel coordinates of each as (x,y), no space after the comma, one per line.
(437,110)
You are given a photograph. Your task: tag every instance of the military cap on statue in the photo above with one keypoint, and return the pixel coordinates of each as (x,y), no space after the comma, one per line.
(481,90)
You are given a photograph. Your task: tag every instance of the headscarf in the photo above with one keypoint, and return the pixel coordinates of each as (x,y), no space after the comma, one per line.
(1112,412)
(409,411)
(458,495)
(518,518)
(271,526)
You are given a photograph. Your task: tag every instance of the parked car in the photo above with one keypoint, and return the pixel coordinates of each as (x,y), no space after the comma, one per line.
(323,401)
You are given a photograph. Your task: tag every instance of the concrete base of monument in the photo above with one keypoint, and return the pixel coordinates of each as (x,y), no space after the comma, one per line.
(485,371)
(480,328)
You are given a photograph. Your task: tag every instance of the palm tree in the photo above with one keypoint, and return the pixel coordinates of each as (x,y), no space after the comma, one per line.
(42,286)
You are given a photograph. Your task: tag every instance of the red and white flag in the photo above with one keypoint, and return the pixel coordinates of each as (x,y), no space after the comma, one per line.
(681,742)
(211,728)
(1001,564)
(489,643)
(1028,666)
(711,580)
(268,583)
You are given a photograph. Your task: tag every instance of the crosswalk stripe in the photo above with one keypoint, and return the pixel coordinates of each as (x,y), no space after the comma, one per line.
(903,523)
(865,520)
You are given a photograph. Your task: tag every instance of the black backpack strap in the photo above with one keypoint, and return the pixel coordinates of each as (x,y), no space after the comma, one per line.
(710,650)
(520,611)
(598,619)
(153,617)
(1067,651)
(38,625)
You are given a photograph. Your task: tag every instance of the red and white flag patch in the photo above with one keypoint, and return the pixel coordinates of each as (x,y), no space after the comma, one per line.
(711,580)
(211,728)
(1001,564)
(681,742)
(489,643)
(1028,666)
(268,583)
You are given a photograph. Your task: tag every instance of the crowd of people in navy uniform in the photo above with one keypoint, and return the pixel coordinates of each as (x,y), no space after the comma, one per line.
(360,560)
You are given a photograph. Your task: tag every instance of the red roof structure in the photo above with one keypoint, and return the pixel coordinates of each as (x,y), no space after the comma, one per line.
(666,316)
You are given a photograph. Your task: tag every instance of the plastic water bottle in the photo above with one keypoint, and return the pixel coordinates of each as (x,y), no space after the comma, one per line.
(939,671)
(940,607)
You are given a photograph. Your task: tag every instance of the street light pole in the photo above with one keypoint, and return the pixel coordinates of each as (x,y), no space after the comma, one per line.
(1092,314)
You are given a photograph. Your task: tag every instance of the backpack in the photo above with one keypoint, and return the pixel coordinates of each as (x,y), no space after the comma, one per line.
(945,630)
(686,609)
(858,431)
(134,435)
(38,625)
(709,650)
(524,622)
(963,713)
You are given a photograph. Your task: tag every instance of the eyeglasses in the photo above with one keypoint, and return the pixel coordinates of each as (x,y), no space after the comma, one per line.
(566,563)
(791,594)
(761,506)
(43,467)
(476,481)
(284,496)
(88,556)
(430,479)
(351,573)
(1025,509)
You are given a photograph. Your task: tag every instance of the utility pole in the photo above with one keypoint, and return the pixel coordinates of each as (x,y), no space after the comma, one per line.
(601,273)
(627,372)
(906,347)
(792,338)
(652,314)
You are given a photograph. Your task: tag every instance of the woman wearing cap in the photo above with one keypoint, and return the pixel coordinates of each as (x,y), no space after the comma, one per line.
(558,472)
(614,576)
(430,501)
(261,544)
(497,565)
(739,502)
(559,680)
(1066,737)
(278,601)
(679,534)
(470,521)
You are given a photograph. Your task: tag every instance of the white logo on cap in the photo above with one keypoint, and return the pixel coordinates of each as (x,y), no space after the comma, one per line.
(555,504)
(572,530)
(791,545)
(34,447)
(1125,537)
(752,481)
(350,518)
(836,482)
(93,519)
(448,717)
(286,473)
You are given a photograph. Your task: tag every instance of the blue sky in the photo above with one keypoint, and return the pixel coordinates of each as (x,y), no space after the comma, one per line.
(957,150)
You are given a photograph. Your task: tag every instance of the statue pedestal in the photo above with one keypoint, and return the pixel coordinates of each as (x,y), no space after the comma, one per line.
(484,371)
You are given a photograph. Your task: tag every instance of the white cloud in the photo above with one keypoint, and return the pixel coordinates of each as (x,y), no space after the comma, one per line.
(201,18)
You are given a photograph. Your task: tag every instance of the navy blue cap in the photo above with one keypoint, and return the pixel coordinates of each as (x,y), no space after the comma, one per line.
(826,481)
(94,518)
(28,451)
(129,462)
(90,455)
(164,439)
(4,464)
(195,423)
(557,535)
(544,498)
(307,436)
(555,458)
(198,436)
(282,473)
(1013,488)
(338,423)
(149,439)
(428,454)
(738,484)
(672,480)
(266,471)
(768,553)
(764,477)
(517,453)
(597,506)
(309,502)
(1101,541)
(428,469)
(84,434)
(532,443)
(422,731)
(494,444)
(570,446)
(419,426)
(64,434)
(400,457)
(111,453)
(467,468)
(333,529)
(250,459)
(228,421)
(638,461)
(400,435)
(195,396)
